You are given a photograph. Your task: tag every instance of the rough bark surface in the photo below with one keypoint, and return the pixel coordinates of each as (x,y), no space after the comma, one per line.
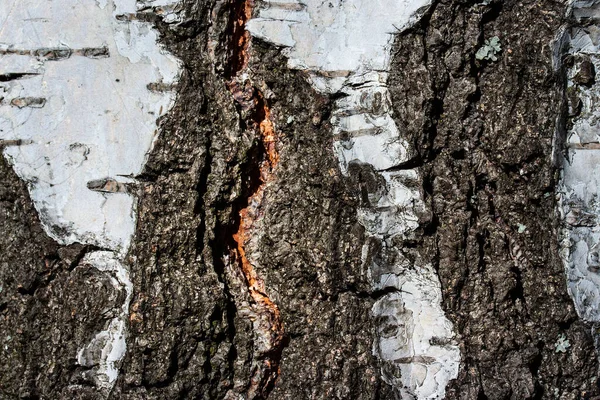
(483,132)
(192,314)
(486,130)
(49,304)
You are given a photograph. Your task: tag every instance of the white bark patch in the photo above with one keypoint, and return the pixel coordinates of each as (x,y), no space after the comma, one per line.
(105,352)
(336,35)
(98,118)
(82,85)
(580,186)
(345,46)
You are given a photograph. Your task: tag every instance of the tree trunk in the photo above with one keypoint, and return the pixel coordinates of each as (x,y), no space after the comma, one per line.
(345,199)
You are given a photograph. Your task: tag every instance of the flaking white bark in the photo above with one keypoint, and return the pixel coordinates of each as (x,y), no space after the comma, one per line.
(580,181)
(345,46)
(106,350)
(98,116)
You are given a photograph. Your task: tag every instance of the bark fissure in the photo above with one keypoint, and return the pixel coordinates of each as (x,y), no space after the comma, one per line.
(241,12)
(271,333)
(263,158)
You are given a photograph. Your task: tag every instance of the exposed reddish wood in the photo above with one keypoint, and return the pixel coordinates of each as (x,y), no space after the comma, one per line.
(240,38)
(269,324)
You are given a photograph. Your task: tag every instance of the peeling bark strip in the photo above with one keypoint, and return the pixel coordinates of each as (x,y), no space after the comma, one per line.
(348,55)
(109,343)
(580,187)
(267,319)
(107,185)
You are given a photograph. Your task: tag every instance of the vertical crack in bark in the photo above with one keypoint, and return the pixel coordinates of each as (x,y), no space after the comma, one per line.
(269,325)
(266,316)
(240,38)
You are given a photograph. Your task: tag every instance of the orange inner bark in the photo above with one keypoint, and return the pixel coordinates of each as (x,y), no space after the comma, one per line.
(250,214)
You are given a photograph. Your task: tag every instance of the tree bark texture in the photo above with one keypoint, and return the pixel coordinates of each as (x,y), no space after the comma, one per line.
(247,264)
